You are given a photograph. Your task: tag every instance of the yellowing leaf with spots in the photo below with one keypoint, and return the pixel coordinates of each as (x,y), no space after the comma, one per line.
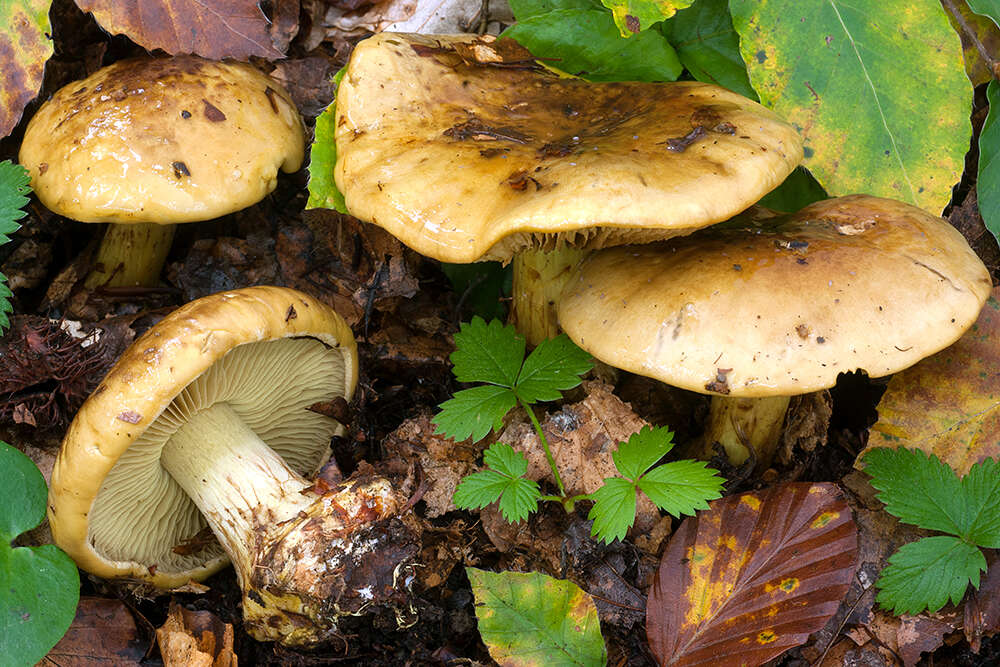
(632,16)
(534,620)
(752,577)
(24,48)
(949,403)
(878,90)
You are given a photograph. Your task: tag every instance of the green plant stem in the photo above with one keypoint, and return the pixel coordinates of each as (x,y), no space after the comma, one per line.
(545,445)
(568,503)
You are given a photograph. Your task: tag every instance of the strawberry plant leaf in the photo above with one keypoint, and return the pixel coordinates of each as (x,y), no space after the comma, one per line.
(502,482)
(474,412)
(490,353)
(533,619)
(981,494)
(14,189)
(505,460)
(918,489)
(323,190)
(614,509)
(682,487)
(41,585)
(556,364)
(927,573)
(642,451)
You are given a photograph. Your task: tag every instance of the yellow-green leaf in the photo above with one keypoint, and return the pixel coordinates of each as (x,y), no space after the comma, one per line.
(975,31)
(877,89)
(632,16)
(25,45)
(534,620)
(949,403)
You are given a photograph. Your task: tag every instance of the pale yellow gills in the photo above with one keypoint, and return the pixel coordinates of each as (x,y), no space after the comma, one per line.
(464,159)
(779,307)
(162,140)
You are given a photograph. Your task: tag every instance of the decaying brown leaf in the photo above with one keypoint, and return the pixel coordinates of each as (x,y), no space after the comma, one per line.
(751,577)
(102,634)
(24,48)
(949,403)
(226,28)
(195,639)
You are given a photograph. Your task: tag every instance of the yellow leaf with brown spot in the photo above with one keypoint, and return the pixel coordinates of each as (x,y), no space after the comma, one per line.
(25,45)
(752,577)
(217,29)
(949,403)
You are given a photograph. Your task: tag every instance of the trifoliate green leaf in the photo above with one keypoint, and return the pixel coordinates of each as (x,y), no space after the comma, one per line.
(490,353)
(919,489)
(503,482)
(323,191)
(682,487)
(474,412)
(556,364)
(642,451)
(925,574)
(614,509)
(981,494)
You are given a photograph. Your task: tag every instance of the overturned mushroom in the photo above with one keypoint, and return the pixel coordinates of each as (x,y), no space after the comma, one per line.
(467,157)
(755,311)
(149,142)
(205,426)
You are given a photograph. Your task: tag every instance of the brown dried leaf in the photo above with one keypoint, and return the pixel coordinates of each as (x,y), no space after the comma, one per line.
(196,639)
(342,22)
(102,634)
(218,29)
(752,577)
(949,403)
(24,48)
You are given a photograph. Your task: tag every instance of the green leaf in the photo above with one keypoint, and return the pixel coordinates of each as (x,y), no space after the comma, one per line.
(323,191)
(14,190)
(925,574)
(556,364)
(585,42)
(526,9)
(474,412)
(533,619)
(988,184)
(632,16)
(682,487)
(480,287)
(981,498)
(990,8)
(796,192)
(503,481)
(836,71)
(919,489)
(708,46)
(614,509)
(642,451)
(490,353)
(40,585)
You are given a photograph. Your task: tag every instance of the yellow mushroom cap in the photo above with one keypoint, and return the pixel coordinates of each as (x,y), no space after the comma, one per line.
(780,306)
(269,352)
(162,140)
(465,160)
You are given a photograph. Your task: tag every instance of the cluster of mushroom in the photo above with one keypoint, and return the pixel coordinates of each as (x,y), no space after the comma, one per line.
(547,171)
(198,447)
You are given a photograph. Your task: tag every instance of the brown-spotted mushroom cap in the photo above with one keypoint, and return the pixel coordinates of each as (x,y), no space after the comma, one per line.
(162,140)
(780,306)
(464,160)
(268,353)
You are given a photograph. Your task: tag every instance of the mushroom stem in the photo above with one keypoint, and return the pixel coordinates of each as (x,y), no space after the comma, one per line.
(298,554)
(740,423)
(131,255)
(539,278)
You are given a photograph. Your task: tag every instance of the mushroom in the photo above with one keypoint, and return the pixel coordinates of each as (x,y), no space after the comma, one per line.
(146,143)
(755,311)
(209,424)
(465,149)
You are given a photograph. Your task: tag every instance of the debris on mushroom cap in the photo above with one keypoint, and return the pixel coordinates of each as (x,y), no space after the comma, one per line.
(150,463)
(780,306)
(162,140)
(532,159)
